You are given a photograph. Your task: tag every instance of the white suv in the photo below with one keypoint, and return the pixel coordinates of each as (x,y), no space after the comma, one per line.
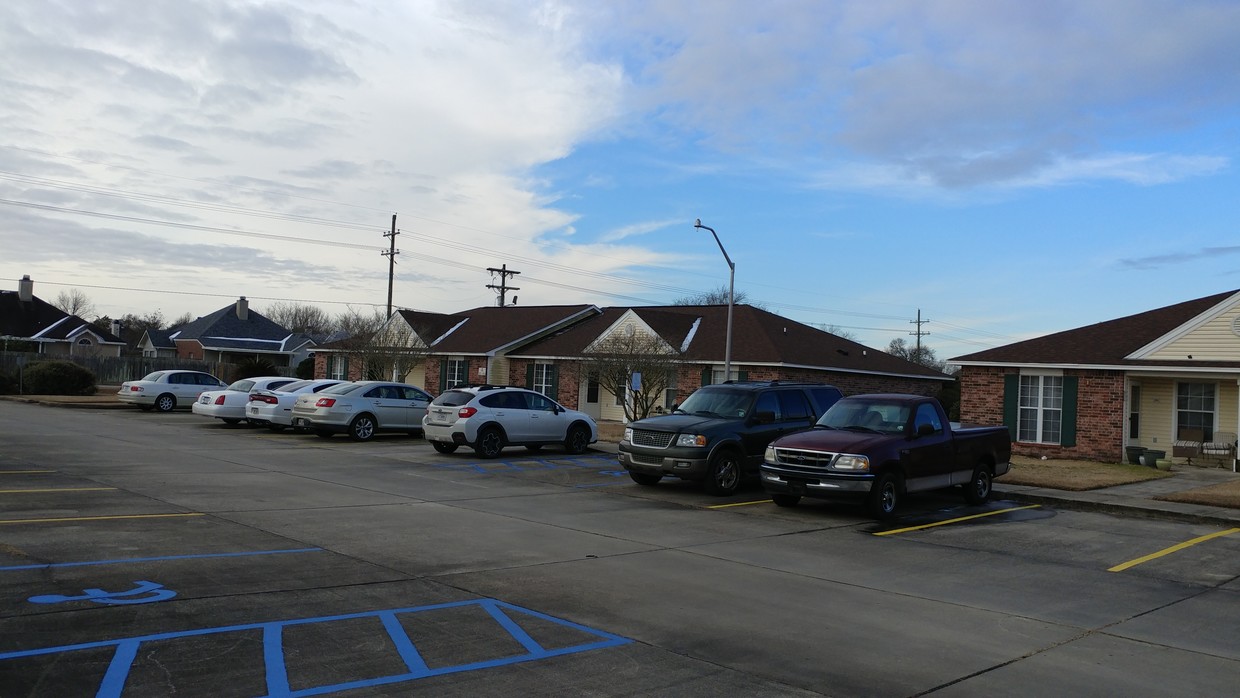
(489,417)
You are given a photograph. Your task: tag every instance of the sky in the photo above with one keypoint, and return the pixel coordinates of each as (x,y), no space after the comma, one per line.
(1005,168)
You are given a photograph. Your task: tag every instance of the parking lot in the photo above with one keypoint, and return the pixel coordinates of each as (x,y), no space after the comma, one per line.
(146,554)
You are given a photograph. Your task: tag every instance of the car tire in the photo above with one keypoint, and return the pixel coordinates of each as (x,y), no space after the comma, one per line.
(723,473)
(363,428)
(323,433)
(786,500)
(645,479)
(490,443)
(166,402)
(443,447)
(884,496)
(978,489)
(577,441)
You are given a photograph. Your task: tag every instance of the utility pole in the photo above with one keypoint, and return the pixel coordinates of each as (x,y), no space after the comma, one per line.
(391,255)
(919,322)
(503,287)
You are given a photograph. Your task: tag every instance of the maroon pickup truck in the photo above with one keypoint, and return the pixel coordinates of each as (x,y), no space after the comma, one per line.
(882,446)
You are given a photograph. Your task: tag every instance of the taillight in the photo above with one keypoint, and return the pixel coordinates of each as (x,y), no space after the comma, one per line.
(466,412)
(135,389)
(264,398)
(219,400)
(325,402)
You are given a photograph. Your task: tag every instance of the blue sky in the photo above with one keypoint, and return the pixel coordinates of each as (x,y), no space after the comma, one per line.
(1009,168)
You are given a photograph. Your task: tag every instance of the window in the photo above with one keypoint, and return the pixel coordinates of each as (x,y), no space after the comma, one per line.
(620,396)
(926,414)
(716,376)
(592,390)
(544,377)
(1134,413)
(1041,409)
(458,373)
(794,405)
(538,402)
(1194,408)
(767,402)
(337,367)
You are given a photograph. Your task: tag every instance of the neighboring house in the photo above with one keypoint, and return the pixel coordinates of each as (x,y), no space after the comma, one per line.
(24,317)
(158,344)
(544,347)
(235,333)
(1146,380)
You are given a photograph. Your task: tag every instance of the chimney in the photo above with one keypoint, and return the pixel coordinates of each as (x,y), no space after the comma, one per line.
(116,327)
(243,309)
(25,289)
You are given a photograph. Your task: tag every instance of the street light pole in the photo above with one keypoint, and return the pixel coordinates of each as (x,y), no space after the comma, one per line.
(727,351)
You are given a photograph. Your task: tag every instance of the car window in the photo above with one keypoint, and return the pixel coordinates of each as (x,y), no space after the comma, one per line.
(926,414)
(181,378)
(411,393)
(453,398)
(824,397)
(203,379)
(153,377)
(538,402)
(291,387)
(343,388)
(768,402)
(279,385)
(324,386)
(793,405)
(242,386)
(496,401)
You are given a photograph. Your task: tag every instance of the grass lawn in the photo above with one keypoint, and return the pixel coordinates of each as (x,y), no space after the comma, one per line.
(1226,494)
(1076,475)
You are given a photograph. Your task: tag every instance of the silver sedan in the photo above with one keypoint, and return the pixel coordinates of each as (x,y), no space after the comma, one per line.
(362,409)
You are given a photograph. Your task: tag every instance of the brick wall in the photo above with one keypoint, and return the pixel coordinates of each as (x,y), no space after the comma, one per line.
(1100,416)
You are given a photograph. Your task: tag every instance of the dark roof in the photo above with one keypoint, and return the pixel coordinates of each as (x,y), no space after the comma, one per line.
(222,329)
(161,339)
(1104,343)
(39,320)
(489,328)
(758,337)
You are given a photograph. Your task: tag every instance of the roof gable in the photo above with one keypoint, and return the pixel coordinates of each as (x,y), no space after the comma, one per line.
(494,330)
(222,329)
(39,320)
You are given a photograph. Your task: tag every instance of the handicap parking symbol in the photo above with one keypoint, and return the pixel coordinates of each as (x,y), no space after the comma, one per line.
(155,592)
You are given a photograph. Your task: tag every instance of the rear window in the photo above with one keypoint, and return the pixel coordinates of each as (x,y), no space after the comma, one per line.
(153,377)
(242,386)
(453,398)
(294,386)
(342,389)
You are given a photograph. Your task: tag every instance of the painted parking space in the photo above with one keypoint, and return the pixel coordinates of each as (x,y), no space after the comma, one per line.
(275,658)
(588,471)
(1170,550)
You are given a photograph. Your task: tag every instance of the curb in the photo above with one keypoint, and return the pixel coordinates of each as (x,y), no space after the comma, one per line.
(1146,509)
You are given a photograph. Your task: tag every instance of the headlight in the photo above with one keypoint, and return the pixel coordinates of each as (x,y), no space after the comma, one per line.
(769,454)
(691,440)
(852,463)
(628,434)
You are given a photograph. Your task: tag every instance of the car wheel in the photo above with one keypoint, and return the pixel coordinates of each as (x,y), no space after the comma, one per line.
(723,474)
(490,443)
(362,428)
(977,492)
(166,403)
(645,478)
(578,440)
(323,433)
(443,447)
(884,496)
(533,448)
(786,500)
(232,422)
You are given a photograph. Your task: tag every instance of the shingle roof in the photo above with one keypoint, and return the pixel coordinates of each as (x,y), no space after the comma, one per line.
(222,329)
(1103,343)
(38,319)
(490,328)
(758,337)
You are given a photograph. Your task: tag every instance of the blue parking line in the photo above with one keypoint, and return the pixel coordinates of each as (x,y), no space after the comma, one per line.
(127,561)
(276,669)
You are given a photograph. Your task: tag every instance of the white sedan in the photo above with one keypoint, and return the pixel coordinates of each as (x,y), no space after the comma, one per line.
(229,404)
(165,390)
(274,408)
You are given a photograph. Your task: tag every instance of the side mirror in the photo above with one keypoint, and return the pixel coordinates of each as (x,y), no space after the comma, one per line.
(925,430)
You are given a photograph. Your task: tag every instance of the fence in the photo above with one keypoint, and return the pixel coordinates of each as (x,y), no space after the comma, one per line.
(114,370)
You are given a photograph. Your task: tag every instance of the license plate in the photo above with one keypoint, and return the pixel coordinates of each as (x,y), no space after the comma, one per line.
(253,410)
(204,400)
(299,422)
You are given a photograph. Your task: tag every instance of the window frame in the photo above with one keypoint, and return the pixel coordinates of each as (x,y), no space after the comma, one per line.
(1039,414)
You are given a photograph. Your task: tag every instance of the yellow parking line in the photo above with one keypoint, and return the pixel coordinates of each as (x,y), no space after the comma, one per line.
(60,489)
(1172,549)
(738,504)
(97,518)
(956,520)
(24,472)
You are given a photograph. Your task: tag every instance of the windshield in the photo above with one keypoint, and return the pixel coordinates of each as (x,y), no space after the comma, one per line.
(717,402)
(866,415)
(242,386)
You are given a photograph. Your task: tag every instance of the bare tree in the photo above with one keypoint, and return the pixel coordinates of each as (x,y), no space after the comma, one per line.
(301,317)
(718,296)
(614,361)
(386,350)
(75,302)
(836,330)
(922,355)
(182,319)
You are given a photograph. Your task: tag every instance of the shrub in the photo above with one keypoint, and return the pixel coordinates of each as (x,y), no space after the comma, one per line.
(58,378)
(8,383)
(305,369)
(252,368)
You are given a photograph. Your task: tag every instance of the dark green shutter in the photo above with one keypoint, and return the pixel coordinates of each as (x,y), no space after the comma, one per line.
(1067,427)
(1011,402)
(529,376)
(706,376)
(555,383)
(742,375)
(443,374)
